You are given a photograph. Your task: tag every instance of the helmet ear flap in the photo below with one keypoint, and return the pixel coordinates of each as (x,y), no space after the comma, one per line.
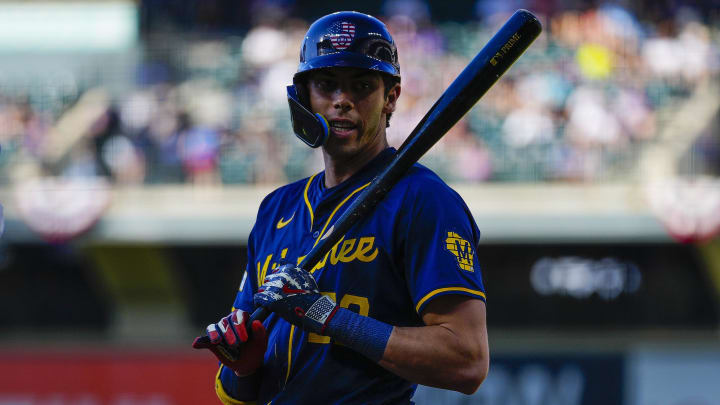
(302,91)
(311,128)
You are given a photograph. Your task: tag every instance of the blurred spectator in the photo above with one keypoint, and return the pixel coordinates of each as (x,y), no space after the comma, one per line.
(590,123)
(199,147)
(213,110)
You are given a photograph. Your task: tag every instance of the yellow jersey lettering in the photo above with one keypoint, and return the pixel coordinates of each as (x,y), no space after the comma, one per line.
(262,272)
(334,256)
(346,248)
(329,254)
(362,303)
(259,273)
(321,263)
(344,251)
(364,247)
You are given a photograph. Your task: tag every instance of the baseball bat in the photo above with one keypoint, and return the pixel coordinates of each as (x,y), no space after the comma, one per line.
(493,60)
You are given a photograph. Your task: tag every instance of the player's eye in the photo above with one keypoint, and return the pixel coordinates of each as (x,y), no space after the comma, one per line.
(326,84)
(363,86)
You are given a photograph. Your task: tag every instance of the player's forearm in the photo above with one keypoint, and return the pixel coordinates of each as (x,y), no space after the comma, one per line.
(446,355)
(437,356)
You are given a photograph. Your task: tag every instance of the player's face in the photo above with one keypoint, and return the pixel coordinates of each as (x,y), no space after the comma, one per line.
(355,105)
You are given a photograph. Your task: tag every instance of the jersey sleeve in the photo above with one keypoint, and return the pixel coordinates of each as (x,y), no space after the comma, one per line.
(248,285)
(227,386)
(440,246)
(244,297)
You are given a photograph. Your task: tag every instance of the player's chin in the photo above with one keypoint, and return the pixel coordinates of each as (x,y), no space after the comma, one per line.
(341,148)
(337,147)
(344,139)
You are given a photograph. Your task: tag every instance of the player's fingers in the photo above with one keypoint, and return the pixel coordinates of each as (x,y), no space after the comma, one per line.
(259,333)
(228,330)
(239,325)
(242,316)
(213,333)
(222,355)
(258,343)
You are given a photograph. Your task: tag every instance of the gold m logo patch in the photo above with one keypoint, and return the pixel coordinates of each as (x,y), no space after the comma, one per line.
(461,249)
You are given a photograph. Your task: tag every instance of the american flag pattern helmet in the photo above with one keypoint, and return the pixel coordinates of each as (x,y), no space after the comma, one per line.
(343,39)
(349,39)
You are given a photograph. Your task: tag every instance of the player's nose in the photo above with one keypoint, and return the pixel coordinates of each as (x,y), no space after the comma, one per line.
(342,100)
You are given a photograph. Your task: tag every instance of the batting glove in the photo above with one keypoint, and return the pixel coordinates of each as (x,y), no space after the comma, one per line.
(230,343)
(292,293)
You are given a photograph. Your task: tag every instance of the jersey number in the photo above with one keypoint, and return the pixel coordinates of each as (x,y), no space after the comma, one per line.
(360,305)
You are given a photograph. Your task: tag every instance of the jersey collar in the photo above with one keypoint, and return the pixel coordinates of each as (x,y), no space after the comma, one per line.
(319,195)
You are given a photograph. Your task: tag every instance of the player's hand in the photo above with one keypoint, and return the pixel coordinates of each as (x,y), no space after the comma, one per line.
(232,345)
(292,293)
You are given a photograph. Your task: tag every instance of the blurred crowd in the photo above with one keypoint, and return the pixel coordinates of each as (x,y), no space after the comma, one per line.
(578,106)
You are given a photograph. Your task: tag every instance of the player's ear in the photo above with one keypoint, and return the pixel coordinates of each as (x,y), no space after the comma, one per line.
(391,99)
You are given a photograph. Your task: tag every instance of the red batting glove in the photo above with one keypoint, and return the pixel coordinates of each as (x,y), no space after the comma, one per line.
(229,341)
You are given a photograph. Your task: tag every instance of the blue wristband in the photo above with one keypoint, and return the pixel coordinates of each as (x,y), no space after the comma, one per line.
(363,334)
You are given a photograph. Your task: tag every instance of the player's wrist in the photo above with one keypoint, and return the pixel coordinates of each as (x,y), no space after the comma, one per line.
(363,334)
(320,314)
(239,388)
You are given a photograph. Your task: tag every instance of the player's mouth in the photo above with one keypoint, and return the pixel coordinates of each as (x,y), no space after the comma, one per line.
(342,128)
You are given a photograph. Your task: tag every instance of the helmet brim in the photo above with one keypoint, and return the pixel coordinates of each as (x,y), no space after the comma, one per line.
(347,59)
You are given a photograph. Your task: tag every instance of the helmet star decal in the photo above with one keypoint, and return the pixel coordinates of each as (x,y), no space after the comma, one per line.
(342,40)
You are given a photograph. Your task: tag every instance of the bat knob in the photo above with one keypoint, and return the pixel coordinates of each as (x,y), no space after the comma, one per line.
(201,342)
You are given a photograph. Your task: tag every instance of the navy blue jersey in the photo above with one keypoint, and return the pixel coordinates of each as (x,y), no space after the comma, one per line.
(419,243)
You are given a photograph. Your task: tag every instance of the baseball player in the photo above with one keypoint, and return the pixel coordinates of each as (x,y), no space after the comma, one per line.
(399,300)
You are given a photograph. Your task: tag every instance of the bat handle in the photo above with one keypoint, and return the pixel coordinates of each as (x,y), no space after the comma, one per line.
(259,315)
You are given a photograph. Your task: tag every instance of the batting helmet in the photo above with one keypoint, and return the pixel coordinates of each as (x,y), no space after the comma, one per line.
(342,39)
